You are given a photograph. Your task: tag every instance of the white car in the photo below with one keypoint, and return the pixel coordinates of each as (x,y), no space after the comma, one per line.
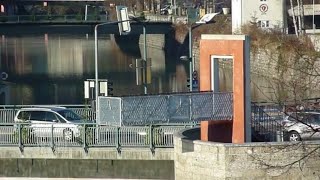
(50,121)
(302,126)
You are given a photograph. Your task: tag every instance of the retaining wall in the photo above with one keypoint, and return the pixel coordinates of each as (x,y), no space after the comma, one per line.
(85,168)
(75,162)
(195,159)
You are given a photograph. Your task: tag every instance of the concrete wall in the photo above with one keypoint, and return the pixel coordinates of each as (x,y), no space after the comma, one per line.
(64,162)
(196,159)
(63,168)
(92,153)
(153,40)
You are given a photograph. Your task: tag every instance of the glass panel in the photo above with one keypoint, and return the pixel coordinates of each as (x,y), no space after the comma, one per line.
(50,116)
(38,115)
(69,115)
(24,115)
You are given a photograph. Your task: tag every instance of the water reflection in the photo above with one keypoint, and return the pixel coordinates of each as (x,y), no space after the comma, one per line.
(51,69)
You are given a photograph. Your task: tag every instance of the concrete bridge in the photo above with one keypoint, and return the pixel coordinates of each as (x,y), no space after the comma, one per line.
(84,28)
(59,0)
(67,24)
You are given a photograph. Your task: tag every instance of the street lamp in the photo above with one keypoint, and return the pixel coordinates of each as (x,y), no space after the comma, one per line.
(190,60)
(204,20)
(124,28)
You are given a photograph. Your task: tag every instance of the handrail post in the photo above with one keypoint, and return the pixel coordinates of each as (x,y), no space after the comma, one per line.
(84,137)
(20,137)
(151,144)
(118,146)
(52,143)
(190,105)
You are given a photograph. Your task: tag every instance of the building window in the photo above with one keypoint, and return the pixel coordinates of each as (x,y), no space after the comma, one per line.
(263,24)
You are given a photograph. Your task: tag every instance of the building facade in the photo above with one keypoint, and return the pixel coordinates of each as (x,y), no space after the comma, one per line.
(267,13)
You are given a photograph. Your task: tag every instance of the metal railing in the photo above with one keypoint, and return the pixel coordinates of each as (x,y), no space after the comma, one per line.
(88,135)
(266,122)
(167,108)
(52,18)
(76,18)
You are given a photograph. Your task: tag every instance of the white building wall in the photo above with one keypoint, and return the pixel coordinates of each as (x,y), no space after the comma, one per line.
(273,11)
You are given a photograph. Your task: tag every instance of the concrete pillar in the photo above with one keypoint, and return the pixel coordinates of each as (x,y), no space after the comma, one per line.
(236,46)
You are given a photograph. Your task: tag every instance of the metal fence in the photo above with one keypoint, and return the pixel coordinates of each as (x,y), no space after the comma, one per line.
(266,122)
(172,108)
(7,112)
(88,135)
(52,18)
(73,18)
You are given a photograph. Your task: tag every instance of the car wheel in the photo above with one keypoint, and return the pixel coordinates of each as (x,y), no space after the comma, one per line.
(67,135)
(294,136)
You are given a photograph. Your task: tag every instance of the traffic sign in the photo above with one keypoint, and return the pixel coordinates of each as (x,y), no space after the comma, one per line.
(192,15)
(124,21)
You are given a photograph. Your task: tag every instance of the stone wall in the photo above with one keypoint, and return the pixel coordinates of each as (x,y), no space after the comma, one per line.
(153,40)
(195,159)
(91,153)
(95,162)
(260,62)
(87,168)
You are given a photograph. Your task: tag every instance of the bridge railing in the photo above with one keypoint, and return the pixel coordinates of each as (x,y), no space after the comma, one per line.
(52,18)
(165,108)
(76,18)
(88,135)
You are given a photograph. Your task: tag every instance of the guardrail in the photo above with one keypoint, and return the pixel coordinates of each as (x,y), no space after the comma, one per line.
(88,135)
(52,18)
(76,18)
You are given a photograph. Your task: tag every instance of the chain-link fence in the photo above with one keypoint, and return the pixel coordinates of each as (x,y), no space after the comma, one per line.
(172,108)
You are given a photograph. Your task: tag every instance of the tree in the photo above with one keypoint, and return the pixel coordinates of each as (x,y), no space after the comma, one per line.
(299,5)
(295,71)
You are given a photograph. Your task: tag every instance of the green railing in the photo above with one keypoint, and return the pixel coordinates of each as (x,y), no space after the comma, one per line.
(88,135)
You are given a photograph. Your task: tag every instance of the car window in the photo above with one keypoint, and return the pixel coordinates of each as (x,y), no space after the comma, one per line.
(314,119)
(38,115)
(50,116)
(69,115)
(24,115)
(61,119)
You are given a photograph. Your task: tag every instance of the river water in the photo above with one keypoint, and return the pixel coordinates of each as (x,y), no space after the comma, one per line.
(52,68)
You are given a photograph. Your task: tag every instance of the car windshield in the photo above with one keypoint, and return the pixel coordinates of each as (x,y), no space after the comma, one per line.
(69,115)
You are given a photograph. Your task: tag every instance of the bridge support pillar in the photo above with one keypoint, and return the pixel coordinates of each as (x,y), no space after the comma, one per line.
(217,131)
(237,48)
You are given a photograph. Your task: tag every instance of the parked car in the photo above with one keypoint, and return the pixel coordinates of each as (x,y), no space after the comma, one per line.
(302,126)
(44,121)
